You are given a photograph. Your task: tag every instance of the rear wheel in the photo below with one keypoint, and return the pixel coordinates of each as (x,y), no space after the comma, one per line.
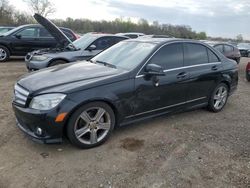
(57,62)
(218,98)
(91,125)
(4,54)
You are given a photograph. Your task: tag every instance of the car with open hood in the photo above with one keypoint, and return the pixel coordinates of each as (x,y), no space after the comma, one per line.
(26,38)
(133,80)
(84,48)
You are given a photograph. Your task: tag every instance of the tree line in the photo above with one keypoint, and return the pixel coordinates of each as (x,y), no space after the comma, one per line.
(9,16)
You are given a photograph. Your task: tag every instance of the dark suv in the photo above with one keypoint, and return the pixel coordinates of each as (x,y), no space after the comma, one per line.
(27,38)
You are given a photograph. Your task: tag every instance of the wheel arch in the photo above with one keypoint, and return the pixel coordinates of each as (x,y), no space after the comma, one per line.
(6,46)
(58,59)
(107,101)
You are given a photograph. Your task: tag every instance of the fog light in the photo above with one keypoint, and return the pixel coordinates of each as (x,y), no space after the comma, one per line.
(39,131)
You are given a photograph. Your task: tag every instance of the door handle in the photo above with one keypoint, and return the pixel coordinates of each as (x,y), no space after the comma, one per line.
(214,68)
(181,75)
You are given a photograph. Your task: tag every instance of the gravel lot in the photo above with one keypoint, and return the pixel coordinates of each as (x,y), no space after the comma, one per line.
(192,149)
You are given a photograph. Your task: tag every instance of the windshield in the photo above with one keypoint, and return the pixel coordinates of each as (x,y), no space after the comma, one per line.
(12,31)
(244,45)
(125,54)
(85,41)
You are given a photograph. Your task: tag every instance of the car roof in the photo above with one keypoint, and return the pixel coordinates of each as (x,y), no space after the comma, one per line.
(163,40)
(98,35)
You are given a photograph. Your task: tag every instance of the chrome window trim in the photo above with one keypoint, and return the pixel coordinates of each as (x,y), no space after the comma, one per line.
(184,67)
(167,70)
(166,107)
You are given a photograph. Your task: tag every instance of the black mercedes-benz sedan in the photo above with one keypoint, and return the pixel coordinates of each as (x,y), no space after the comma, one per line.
(133,80)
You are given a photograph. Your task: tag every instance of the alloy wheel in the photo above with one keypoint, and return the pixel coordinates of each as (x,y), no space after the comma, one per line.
(220,97)
(92,126)
(3,54)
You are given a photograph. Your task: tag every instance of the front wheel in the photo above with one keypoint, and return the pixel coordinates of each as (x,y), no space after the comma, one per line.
(91,125)
(218,98)
(4,54)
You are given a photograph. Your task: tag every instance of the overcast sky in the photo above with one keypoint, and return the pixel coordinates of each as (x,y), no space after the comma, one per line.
(225,18)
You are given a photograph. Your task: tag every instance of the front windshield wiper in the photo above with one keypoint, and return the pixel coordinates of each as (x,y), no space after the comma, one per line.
(104,63)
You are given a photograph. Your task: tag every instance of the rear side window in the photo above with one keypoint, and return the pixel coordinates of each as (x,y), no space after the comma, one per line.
(103,43)
(195,54)
(228,48)
(219,48)
(212,57)
(116,40)
(44,33)
(169,56)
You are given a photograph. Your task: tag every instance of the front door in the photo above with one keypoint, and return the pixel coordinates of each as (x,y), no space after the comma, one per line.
(26,40)
(162,93)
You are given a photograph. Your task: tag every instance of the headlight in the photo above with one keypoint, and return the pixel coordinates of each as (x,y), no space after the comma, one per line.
(47,101)
(39,58)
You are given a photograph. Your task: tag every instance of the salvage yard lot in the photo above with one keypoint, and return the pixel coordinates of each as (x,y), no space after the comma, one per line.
(192,149)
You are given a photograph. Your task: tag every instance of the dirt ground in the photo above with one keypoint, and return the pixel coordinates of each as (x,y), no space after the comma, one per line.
(191,149)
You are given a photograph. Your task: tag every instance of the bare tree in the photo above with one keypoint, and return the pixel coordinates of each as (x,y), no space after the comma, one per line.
(42,7)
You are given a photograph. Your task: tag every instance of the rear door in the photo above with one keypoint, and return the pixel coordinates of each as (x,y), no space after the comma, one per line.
(204,69)
(45,39)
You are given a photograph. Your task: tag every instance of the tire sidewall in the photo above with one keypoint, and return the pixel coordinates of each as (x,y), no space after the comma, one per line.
(7,52)
(57,62)
(211,100)
(76,114)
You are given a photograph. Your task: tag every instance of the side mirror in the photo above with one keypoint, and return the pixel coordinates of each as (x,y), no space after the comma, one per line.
(154,70)
(92,47)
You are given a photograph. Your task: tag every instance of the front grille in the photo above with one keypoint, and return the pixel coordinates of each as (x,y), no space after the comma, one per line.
(20,95)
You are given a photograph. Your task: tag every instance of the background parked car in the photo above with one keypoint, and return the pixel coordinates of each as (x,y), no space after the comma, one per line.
(248,72)
(82,49)
(229,51)
(23,39)
(131,35)
(5,29)
(244,49)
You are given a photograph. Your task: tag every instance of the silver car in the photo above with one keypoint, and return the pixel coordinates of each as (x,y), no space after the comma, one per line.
(84,48)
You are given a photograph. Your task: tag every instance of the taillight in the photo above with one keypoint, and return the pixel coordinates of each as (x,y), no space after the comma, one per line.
(248,66)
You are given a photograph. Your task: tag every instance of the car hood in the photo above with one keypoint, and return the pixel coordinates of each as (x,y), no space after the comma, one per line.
(60,37)
(69,76)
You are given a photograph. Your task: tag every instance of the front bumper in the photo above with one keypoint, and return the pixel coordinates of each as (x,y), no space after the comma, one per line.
(29,120)
(37,65)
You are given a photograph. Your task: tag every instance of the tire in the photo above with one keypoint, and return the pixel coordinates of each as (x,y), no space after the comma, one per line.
(219,97)
(91,125)
(4,54)
(57,62)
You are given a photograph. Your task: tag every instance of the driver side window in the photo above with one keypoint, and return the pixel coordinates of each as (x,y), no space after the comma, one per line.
(169,56)
(28,33)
